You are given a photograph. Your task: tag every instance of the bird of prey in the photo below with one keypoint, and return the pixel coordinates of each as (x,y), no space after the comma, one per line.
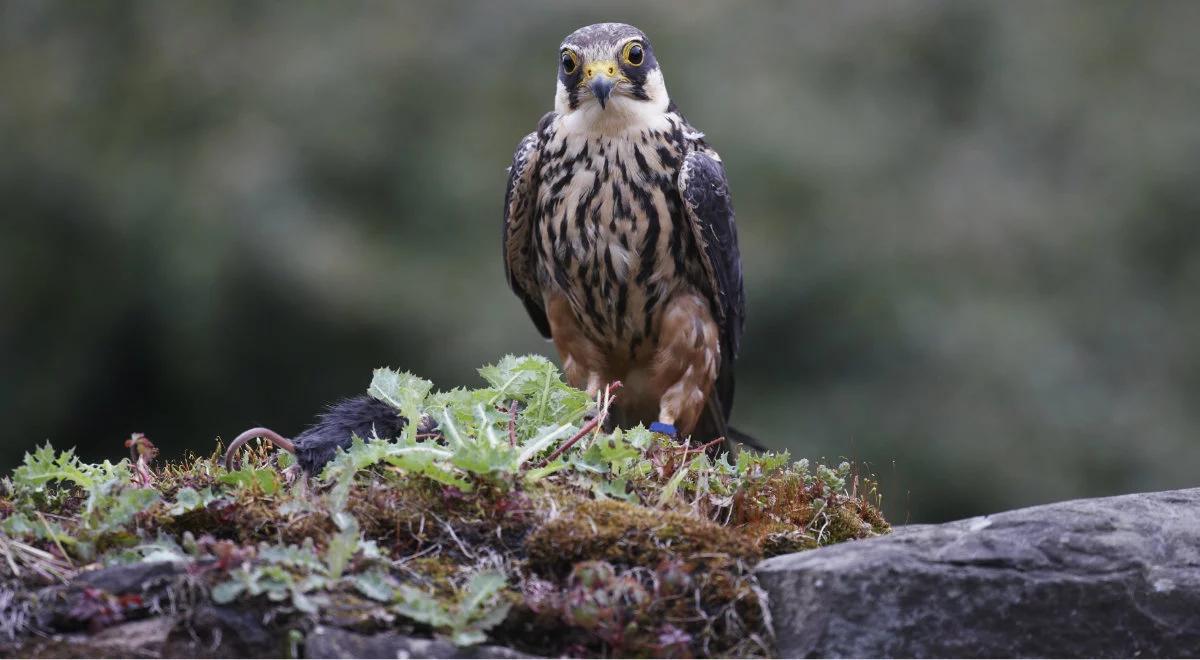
(619,238)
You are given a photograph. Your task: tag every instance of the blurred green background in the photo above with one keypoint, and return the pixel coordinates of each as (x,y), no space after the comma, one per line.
(970,231)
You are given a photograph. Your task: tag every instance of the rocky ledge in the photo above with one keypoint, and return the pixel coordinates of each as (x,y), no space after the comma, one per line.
(1111,577)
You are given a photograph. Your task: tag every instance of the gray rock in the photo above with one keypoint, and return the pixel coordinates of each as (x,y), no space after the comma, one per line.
(225,632)
(134,639)
(1111,577)
(336,643)
(130,578)
(54,608)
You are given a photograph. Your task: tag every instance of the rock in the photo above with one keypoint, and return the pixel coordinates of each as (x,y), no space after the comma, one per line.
(86,601)
(213,631)
(130,578)
(1111,577)
(336,643)
(135,639)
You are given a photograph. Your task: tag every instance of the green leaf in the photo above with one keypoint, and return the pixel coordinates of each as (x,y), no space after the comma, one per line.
(228,591)
(515,376)
(426,461)
(536,474)
(639,438)
(188,499)
(18,524)
(342,547)
(294,556)
(421,607)
(615,489)
(492,616)
(303,603)
(402,391)
(546,436)
(44,466)
(672,486)
(118,511)
(484,459)
(374,585)
(481,588)
(265,480)
(536,382)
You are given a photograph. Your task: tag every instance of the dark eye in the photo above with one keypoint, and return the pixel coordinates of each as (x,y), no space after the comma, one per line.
(570,62)
(634,54)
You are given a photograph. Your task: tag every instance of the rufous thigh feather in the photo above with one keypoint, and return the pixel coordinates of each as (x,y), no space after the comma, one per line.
(684,368)
(583,361)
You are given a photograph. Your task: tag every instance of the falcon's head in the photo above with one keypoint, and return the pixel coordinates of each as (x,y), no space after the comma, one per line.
(608,72)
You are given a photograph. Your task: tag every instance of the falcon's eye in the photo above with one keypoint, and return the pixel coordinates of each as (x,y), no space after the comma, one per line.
(634,55)
(570,62)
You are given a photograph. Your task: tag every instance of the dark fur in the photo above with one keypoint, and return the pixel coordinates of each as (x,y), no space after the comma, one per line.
(362,416)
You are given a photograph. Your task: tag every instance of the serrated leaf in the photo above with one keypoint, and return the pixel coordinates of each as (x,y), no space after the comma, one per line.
(425,462)
(402,391)
(481,587)
(547,436)
(536,382)
(421,607)
(44,466)
(374,585)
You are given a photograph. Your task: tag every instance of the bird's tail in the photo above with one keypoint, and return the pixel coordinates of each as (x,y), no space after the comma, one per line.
(712,424)
(746,440)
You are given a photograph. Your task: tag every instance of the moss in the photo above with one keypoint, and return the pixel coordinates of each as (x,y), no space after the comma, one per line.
(787,513)
(628,580)
(627,535)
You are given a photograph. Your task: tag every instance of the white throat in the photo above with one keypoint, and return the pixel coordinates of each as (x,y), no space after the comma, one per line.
(624,114)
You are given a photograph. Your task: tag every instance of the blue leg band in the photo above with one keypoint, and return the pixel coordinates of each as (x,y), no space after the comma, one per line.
(665,429)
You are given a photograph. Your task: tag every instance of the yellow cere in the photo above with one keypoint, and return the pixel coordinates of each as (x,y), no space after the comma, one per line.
(604,67)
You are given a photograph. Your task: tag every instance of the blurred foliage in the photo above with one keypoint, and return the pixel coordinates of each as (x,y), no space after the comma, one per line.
(970,230)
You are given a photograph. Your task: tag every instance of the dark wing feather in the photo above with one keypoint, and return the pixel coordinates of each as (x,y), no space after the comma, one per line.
(705,194)
(520,202)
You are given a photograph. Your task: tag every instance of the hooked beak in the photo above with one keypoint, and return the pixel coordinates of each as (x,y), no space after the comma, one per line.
(602,87)
(601,78)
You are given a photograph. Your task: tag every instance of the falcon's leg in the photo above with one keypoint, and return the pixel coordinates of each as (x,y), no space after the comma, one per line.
(687,355)
(583,362)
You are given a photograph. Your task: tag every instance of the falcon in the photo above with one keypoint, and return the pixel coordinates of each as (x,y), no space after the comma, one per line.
(619,238)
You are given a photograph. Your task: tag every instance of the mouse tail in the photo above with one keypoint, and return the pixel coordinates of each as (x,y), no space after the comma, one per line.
(250,434)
